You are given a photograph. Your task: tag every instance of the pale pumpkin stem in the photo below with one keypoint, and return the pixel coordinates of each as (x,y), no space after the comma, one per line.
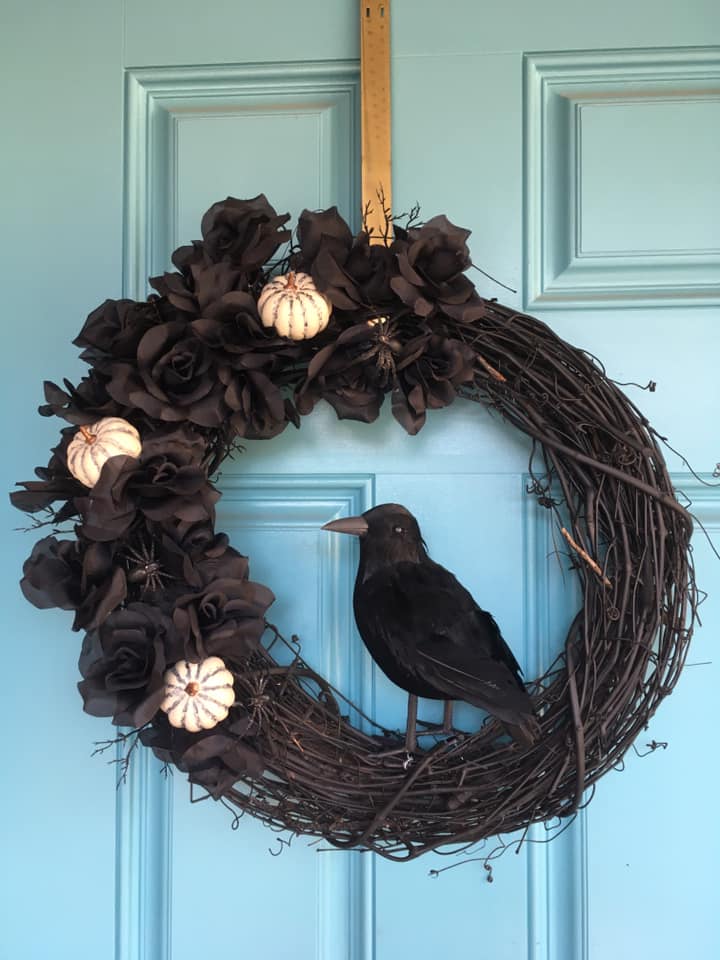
(192,689)
(89,437)
(291,285)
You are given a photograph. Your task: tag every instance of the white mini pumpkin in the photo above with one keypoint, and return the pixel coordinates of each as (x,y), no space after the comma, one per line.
(294,306)
(93,445)
(198,695)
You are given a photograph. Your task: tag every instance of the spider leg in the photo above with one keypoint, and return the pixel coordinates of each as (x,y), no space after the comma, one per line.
(132,556)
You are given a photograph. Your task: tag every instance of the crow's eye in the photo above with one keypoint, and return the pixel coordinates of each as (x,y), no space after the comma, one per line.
(398,530)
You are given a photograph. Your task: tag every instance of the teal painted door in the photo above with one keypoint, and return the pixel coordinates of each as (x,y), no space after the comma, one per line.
(581,146)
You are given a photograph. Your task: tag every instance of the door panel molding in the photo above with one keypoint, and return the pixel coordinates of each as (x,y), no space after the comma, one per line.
(557,870)
(143,861)
(621,159)
(345,919)
(159,100)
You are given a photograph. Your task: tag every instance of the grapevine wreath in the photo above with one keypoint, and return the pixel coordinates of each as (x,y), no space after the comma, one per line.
(236,344)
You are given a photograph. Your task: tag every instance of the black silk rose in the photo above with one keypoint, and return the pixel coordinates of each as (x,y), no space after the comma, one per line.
(55,483)
(58,574)
(114,329)
(432,260)
(86,403)
(353,273)
(246,232)
(200,283)
(52,574)
(122,664)
(194,540)
(166,482)
(231,328)
(352,373)
(214,759)
(429,371)
(225,618)
(423,370)
(256,358)
(239,237)
(176,378)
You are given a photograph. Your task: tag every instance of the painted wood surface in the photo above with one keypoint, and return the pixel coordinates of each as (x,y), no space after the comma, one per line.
(580,144)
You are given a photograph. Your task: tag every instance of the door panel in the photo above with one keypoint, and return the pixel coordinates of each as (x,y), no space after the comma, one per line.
(538,129)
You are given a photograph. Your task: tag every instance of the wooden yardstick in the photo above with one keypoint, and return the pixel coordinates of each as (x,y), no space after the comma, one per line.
(375,109)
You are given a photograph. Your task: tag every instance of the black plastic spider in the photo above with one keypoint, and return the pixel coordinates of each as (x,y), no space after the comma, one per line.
(147,569)
(384,348)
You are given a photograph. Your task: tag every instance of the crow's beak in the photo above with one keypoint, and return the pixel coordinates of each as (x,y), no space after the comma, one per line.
(357,526)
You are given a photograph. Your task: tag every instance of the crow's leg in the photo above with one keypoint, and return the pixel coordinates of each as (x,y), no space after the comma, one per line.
(433,729)
(447,717)
(411,726)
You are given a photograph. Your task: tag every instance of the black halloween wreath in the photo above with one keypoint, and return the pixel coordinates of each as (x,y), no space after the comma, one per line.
(235,345)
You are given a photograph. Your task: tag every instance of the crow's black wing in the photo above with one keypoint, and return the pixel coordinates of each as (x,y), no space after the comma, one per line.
(453,645)
(387,623)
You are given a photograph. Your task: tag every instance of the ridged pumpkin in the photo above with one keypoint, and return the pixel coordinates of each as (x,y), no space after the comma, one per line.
(198,695)
(93,445)
(294,306)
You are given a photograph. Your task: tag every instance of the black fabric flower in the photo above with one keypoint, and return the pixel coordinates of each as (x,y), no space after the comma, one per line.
(371,267)
(353,273)
(239,237)
(167,481)
(195,540)
(353,373)
(245,232)
(257,359)
(178,563)
(429,371)
(214,759)
(231,327)
(225,618)
(55,483)
(113,330)
(176,377)
(51,574)
(432,260)
(59,574)
(103,585)
(259,411)
(200,283)
(122,664)
(86,403)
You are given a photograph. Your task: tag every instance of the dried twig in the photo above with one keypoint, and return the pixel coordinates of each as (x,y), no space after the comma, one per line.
(586,556)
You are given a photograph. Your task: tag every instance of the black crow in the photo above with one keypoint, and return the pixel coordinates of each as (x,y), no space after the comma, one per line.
(423,628)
